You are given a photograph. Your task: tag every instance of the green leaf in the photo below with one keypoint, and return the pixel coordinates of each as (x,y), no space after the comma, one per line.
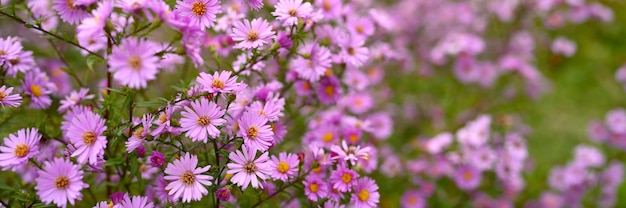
(93,60)
(153,103)
(42,205)
(114,161)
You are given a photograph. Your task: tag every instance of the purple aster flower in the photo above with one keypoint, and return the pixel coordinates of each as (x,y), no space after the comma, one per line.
(19,147)
(467,177)
(284,166)
(135,202)
(272,110)
(186,178)
(202,120)
(255,4)
(365,193)
(353,53)
(328,90)
(160,191)
(313,63)
(74,98)
(163,122)
(158,159)
(288,11)
(564,47)
(10,48)
(201,13)
(85,132)
(223,194)
(140,133)
(35,84)
(256,133)
(15,60)
(134,62)
(343,178)
(331,9)
(252,34)
(314,188)
(357,103)
(280,130)
(247,169)
(69,11)
(60,181)
(413,199)
(360,26)
(349,153)
(117,197)
(219,82)
(8,99)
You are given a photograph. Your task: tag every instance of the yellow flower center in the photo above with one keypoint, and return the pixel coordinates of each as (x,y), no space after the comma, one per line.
(249,167)
(134,62)
(283,167)
(163,118)
(198,8)
(329,90)
(143,168)
(89,138)
(217,83)
(203,121)
(353,138)
(253,132)
(138,133)
(292,12)
(188,178)
(318,169)
(70,4)
(21,150)
(467,175)
(314,187)
(2,52)
(326,5)
(306,85)
(346,178)
(2,95)
(364,195)
(351,51)
(328,137)
(359,29)
(253,35)
(62,182)
(36,90)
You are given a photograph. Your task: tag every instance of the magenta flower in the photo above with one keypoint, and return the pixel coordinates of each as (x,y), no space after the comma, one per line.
(158,159)
(247,169)
(19,147)
(284,166)
(252,34)
(134,62)
(328,90)
(8,99)
(36,85)
(11,47)
(365,193)
(314,188)
(74,98)
(60,181)
(202,121)
(186,178)
(140,133)
(201,13)
(343,178)
(288,11)
(219,82)
(85,132)
(313,63)
(413,199)
(69,11)
(467,177)
(256,133)
(135,202)
(349,153)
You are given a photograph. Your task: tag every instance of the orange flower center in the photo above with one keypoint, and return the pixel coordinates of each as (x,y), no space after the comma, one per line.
(283,167)
(21,150)
(198,8)
(203,121)
(188,178)
(89,138)
(253,132)
(62,182)
(36,90)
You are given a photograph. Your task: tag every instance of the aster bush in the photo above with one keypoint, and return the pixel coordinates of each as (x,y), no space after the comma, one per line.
(288,103)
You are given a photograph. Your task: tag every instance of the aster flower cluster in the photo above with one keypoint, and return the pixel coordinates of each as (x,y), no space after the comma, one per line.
(263,70)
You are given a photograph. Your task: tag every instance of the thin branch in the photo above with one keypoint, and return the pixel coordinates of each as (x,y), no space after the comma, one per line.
(62,57)
(28,25)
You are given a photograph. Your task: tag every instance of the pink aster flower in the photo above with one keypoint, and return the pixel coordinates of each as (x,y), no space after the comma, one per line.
(563,46)
(36,85)
(135,202)
(247,169)
(289,11)
(256,133)
(186,178)
(331,9)
(219,82)
(69,11)
(467,177)
(74,98)
(140,133)
(160,190)
(284,166)
(19,147)
(328,90)
(360,26)
(201,120)
(134,62)
(201,13)
(314,188)
(353,53)
(8,99)
(349,153)
(85,132)
(343,178)
(255,4)
(365,193)
(252,34)
(313,63)
(163,122)
(413,199)
(60,181)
